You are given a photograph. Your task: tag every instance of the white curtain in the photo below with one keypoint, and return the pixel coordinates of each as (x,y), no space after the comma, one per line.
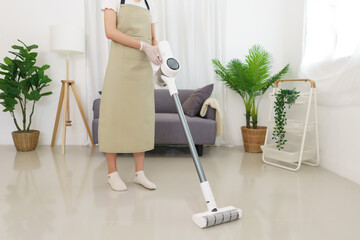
(332,50)
(97,53)
(196,32)
(332,58)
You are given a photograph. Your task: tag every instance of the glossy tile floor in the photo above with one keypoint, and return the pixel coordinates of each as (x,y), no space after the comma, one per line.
(46,196)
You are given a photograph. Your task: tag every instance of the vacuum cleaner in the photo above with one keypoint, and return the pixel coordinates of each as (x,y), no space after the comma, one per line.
(164,75)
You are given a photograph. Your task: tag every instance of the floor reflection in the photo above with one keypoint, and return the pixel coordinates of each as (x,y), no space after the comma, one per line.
(30,211)
(271,192)
(71,193)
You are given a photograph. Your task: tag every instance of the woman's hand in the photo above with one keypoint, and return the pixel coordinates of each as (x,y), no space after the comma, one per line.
(152,52)
(154,42)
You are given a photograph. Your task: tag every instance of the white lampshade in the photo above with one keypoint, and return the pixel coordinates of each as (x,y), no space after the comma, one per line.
(67,39)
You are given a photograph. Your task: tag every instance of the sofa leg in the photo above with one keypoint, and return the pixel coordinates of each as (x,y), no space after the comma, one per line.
(199,149)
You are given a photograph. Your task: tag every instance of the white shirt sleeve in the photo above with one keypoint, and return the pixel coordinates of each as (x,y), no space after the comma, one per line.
(153,11)
(111,4)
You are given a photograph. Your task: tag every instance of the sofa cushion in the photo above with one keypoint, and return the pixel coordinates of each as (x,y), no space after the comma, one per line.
(96,108)
(168,129)
(193,103)
(164,102)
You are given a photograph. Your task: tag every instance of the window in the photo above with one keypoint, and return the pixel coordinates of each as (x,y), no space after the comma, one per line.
(332,29)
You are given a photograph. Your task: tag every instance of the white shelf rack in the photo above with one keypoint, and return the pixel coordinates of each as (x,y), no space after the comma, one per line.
(293,154)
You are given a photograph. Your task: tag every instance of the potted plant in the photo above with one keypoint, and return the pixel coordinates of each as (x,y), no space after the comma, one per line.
(250,79)
(282,98)
(22,83)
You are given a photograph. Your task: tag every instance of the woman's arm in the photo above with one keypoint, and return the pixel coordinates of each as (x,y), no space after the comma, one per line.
(153,35)
(114,34)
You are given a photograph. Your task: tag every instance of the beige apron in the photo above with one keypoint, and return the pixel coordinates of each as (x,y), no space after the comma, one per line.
(127,109)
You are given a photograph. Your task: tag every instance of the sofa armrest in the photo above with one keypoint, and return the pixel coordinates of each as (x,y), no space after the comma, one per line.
(210,113)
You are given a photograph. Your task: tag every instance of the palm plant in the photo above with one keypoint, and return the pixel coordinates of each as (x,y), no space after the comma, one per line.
(250,79)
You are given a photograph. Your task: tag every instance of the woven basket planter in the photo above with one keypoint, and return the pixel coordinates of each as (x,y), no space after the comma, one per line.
(25,142)
(253,138)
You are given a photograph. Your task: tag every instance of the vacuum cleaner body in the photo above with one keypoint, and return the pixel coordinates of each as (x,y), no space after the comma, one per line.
(164,75)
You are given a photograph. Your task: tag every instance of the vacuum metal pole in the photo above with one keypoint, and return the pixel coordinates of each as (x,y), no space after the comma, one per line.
(189,138)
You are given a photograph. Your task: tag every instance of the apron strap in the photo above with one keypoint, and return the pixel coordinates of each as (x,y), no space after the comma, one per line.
(147,5)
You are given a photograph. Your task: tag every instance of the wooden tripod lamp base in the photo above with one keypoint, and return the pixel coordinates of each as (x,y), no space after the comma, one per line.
(64,100)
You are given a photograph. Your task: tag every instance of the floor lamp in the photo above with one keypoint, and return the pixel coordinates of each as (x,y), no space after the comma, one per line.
(67,39)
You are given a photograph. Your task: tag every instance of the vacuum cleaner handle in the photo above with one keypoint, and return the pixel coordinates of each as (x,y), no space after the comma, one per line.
(205,186)
(189,138)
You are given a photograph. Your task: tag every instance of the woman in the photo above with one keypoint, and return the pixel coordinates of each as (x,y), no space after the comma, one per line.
(127,111)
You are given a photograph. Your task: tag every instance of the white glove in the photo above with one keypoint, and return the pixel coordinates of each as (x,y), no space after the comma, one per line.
(152,52)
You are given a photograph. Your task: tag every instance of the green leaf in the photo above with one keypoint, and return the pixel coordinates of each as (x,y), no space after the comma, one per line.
(4,67)
(45,79)
(31,70)
(29,48)
(8,61)
(33,55)
(34,95)
(22,43)
(46,94)
(40,73)
(45,67)
(259,63)
(13,92)
(237,71)
(276,77)
(10,103)
(17,54)
(17,47)
(225,76)
(34,80)
(25,87)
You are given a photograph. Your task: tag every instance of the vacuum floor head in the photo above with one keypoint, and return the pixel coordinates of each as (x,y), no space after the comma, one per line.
(222,215)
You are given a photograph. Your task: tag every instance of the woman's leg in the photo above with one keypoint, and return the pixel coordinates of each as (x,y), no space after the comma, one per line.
(140,177)
(113,176)
(139,161)
(111,161)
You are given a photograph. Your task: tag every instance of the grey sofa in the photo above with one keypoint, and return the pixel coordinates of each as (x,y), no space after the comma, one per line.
(168,129)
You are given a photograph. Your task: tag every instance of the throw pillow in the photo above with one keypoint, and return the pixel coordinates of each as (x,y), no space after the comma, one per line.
(194,102)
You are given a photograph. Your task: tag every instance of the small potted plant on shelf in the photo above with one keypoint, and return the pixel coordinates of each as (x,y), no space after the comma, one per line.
(282,98)
(22,83)
(250,79)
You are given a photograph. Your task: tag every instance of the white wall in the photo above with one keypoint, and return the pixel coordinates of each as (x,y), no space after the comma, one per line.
(278,26)
(29,21)
(340,140)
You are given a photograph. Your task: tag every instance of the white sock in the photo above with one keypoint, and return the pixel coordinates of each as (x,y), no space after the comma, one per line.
(141,179)
(115,182)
